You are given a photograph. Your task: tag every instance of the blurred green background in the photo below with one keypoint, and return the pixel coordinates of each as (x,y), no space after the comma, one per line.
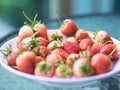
(11,16)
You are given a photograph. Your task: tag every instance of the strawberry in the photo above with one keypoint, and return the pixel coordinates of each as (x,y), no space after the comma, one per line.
(26,62)
(95,48)
(111,50)
(44,42)
(82,68)
(101,63)
(85,43)
(71,59)
(62,52)
(29,43)
(55,36)
(63,71)
(68,27)
(81,34)
(24,32)
(54,45)
(11,55)
(38,59)
(41,29)
(71,39)
(44,69)
(55,59)
(41,51)
(71,47)
(102,36)
(27,30)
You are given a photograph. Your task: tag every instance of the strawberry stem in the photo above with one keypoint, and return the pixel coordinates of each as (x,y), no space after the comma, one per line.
(25,15)
(58,17)
(110,55)
(107,42)
(86,69)
(7,52)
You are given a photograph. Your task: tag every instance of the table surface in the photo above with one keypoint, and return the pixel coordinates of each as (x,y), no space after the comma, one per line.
(107,22)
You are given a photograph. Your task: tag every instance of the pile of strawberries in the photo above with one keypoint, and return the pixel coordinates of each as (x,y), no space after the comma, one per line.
(49,54)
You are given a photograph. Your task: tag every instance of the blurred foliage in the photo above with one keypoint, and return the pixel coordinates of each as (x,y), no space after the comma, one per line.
(11,10)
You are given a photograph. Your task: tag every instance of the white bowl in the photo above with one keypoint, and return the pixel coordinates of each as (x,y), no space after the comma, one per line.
(54,81)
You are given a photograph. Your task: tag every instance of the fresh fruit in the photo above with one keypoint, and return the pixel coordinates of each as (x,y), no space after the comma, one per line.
(71,59)
(26,62)
(102,36)
(71,39)
(41,51)
(29,43)
(70,52)
(44,69)
(43,41)
(101,63)
(62,52)
(111,50)
(68,27)
(82,68)
(85,43)
(55,59)
(55,36)
(41,29)
(63,71)
(38,59)
(54,45)
(81,34)
(11,55)
(95,48)
(71,47)
(24,32)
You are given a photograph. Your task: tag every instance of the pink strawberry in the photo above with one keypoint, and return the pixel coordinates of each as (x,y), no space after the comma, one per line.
(62,52)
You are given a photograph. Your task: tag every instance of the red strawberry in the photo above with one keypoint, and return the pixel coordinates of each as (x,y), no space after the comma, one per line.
(85,43)
(82,68)
(108,49)
(95,48)
(26,62)
(24,32)
(62,52)
(81,34)
(101,63)
(44,69)
(71,47)
(63,71)
(102,36)
(68,28)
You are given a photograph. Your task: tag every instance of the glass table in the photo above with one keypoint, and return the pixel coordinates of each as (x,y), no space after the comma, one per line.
(108,22)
